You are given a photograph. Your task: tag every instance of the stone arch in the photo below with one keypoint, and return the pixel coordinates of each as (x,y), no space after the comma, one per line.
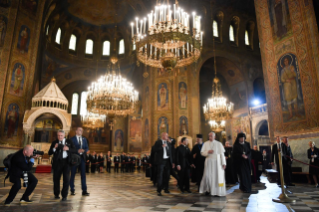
(260,139)
(28,124)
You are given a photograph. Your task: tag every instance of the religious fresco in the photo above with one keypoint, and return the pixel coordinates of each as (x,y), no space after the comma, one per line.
(135,135)
(285,46)
(146,133)
(3,29)
(162,97)
(12,120)
(30,5)
(290,88)
(119,141)
(238,95)
(17,80)
(5,3)
(182,95)
(161,72)
(279,19)
(162,125)
(183,125)
(46,129)
(241,124)
(52,67)
(24,39)
(147,96)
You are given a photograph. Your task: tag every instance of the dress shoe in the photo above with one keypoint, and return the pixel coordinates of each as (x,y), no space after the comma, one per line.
(182,191)
(207,193)
(167,191)
(317,186)
(63,198)
(25,201)
(85,193)
(159,194)
(188,191)
(6,204)
(56,197)
(72,193)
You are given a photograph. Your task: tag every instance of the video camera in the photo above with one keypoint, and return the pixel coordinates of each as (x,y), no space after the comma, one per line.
(36,152)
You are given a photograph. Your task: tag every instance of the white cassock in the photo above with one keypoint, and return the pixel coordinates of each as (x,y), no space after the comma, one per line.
(213,180)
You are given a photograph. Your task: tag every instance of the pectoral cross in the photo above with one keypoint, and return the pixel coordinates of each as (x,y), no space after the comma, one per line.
(111,125)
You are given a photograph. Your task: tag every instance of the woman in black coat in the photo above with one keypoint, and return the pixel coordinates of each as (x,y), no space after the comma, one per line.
(313,155)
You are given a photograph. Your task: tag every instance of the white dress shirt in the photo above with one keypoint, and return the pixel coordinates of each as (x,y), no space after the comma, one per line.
(65,154)
(165,156)
(80,139)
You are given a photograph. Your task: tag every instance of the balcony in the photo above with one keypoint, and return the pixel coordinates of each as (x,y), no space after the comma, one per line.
(258,110)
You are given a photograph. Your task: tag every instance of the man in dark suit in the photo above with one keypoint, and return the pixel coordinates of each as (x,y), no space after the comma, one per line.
(164,161)
(62,150)
(183,164)
(81,146)
(123,162)
(274,153)
(133,163)
(116,160)
(21,161)
(108,161)
(144,162)
(288,162)
(93,161)
(172,172)
(128,163)
(88,159)
(199,160)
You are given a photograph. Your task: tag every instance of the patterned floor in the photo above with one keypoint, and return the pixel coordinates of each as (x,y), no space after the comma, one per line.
(125,192)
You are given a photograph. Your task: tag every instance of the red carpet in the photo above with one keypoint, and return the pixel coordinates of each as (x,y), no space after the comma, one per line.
(43,169)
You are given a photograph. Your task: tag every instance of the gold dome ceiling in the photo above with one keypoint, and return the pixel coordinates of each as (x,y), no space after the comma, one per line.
(99,12)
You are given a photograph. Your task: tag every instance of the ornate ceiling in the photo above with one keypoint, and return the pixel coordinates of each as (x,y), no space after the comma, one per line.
(97,12)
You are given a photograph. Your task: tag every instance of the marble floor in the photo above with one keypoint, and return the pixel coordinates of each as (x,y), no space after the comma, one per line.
(123,192)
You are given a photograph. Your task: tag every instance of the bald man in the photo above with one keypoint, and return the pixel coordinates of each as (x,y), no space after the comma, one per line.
(22,161)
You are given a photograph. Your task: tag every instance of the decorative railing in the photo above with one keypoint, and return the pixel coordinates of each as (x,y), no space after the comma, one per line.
(258,109)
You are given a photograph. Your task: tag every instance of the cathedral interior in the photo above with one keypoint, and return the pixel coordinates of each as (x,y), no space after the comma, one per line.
(51,51)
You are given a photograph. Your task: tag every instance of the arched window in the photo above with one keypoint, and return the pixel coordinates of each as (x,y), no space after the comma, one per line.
(89,46)
(215,28)
(75,103)
(231,33)
(121,47)
(72,44)
(106,48)
(47,30)
(58,36)
(246,38)
(83,110)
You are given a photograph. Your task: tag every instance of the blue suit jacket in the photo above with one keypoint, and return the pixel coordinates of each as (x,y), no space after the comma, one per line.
(85,145)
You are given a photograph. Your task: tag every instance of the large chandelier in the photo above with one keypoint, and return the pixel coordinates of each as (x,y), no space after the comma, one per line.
(112,95)
(166,39)
(217,109)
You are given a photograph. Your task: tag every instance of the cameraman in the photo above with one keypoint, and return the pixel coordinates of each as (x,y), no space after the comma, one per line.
(22,161)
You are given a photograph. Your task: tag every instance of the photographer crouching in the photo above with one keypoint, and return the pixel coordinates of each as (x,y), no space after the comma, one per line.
(21,163)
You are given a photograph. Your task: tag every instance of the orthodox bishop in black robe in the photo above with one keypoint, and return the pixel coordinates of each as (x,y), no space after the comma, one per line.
(242,162)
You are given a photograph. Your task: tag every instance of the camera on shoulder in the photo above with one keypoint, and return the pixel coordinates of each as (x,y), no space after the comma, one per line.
(37,152)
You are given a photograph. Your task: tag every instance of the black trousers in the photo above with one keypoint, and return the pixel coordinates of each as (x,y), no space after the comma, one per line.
(184,179)
(163,172)
(87,167)
(32,183)
(108,167)
(64,168)
(123,167)
(93,167)
(286,172)
(116,167)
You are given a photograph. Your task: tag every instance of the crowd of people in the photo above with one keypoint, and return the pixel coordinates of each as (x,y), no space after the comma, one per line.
(210,165)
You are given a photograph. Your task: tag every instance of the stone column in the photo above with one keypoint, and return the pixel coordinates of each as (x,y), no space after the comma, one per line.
(288,37)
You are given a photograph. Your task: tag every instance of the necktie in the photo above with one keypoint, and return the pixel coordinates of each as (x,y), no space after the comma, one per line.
(167,148)
(80,142)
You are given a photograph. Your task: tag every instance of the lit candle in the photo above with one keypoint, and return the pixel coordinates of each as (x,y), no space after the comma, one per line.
(169,13)
(132,26)
(144,25)
(155,15)
(164,12)
(174,5)
(136,19)
(199,23)
(201,38)
(141,27)
(194,24)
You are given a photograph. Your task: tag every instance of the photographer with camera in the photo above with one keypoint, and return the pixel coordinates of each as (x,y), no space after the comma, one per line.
(62,150)
(21,163)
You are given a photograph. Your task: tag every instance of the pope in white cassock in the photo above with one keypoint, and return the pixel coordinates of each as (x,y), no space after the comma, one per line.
(213,180)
